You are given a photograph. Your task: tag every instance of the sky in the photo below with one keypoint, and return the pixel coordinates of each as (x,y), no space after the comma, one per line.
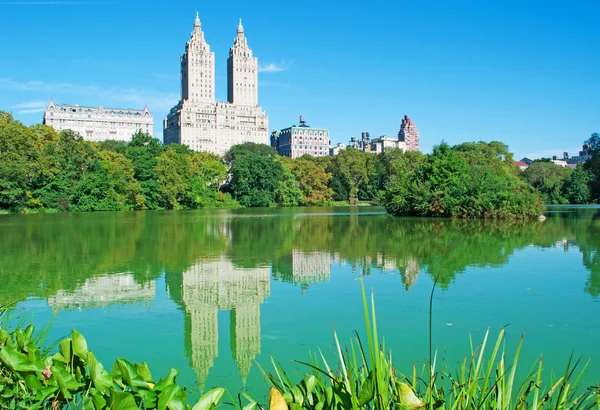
(526,73)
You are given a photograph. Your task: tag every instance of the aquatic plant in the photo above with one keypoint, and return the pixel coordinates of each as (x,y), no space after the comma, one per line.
(365,378)
(32,378)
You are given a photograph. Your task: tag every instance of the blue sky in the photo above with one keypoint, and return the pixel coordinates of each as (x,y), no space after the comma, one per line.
(523,72)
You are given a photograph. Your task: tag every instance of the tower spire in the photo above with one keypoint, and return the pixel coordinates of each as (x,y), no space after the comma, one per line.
(197,21)
(240,27)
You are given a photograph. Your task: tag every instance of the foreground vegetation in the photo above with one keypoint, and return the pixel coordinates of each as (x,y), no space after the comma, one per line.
(362,378)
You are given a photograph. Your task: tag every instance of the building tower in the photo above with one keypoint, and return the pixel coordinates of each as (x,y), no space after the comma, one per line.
(198,68)
(409,134)
(242,72)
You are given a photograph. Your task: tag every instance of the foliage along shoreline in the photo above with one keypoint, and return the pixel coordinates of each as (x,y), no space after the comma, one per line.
(42,170)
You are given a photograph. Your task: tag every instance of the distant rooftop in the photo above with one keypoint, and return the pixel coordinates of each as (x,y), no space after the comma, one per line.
(107,110)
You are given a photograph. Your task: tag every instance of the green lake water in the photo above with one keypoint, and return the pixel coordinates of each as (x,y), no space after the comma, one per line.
(214,292)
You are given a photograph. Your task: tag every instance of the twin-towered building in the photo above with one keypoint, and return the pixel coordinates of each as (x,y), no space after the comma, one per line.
(200,122)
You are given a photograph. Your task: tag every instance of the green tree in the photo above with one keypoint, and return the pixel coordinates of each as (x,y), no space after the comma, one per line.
(350,170)
(142,151)
(73,158)
(312,180)
(255,179)
(173,176)
(577,186)
(248,148)
(464,182)
(109,185)
(287,192)
(208,173)
(549,179)
(593,165)
(26,163)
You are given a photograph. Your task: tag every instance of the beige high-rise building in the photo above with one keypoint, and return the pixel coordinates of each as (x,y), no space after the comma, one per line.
(98,123)
(203,124)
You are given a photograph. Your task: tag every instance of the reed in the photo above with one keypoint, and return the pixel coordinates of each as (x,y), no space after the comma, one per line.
(365,378)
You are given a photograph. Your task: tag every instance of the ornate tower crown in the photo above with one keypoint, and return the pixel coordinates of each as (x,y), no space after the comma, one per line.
(197,68)
(242,72)
(240,44)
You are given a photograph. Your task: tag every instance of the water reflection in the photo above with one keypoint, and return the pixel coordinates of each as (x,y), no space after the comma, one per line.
(224,260)
(303,268)
(42,255)
(103,291)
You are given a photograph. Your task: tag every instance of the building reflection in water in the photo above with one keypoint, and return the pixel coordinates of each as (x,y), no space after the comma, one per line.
(210,286)
(408,268)
(301,268)
(102,291)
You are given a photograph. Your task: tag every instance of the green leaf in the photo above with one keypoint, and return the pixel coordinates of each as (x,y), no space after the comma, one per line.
(16,361)
(98,399)
(65,351)
(209,399)
(4,336)
(367,390)
(100,377)
(46,392)
(144,372)
(33,382)
(309,383)
(79,344)
(28,333)
(130,376)
(56,376)
(117,376)
(18,335)
(149,397)
(122,401)
(35,406)
(170,379)
(297,396)
(171,398)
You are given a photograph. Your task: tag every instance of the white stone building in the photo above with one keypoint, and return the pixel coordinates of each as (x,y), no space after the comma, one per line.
(295,142)
(203,124)
(97,123)
(335,149)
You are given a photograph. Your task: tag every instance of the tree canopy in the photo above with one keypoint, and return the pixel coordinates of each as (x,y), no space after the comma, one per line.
(467,181)
(44,170)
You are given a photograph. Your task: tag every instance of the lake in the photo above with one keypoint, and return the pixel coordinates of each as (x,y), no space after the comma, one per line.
(214,292)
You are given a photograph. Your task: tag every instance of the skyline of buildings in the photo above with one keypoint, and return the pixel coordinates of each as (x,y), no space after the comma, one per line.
(203,124)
